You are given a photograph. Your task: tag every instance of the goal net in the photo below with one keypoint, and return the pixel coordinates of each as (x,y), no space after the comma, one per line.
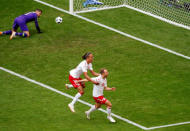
(175,12)
(80,6)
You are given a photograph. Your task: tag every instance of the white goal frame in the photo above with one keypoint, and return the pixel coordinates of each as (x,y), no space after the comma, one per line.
(71,10)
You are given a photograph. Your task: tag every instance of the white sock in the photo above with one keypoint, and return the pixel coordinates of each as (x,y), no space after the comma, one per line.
(109,111)
(69,86)
(93,108)
(78,95)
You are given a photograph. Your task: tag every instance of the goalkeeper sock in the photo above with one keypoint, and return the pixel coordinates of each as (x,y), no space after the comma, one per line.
(21,34)
(9,32)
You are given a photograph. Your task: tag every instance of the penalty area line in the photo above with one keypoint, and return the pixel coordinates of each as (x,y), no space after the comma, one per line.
(115,30)
(69,96)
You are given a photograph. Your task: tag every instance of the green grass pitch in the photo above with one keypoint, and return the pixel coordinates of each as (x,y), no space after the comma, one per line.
(153,86)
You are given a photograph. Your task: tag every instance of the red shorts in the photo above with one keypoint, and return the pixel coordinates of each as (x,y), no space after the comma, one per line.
(74,83)
(100,99)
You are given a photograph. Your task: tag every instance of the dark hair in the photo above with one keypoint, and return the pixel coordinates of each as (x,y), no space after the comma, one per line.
(102,70)
(86,55)
(39,10)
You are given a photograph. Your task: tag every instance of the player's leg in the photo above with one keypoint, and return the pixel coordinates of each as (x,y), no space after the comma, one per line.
(109,106)
(80,87)
(71,79)
(68,86)
(23,27)
(22,34)
(77,96)
(14,29)
(8,32)
(93,108)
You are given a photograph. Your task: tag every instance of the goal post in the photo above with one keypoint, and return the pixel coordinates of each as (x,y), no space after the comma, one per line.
(71,6)
(176,12)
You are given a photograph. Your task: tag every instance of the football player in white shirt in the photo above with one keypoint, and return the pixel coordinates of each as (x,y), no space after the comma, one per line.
(75,74)
(98,94)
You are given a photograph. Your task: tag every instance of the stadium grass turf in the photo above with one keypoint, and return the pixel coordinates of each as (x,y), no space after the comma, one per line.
(152,85)
(26,106)
(145,27)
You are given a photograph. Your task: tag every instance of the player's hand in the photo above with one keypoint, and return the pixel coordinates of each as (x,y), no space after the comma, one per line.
(113,88)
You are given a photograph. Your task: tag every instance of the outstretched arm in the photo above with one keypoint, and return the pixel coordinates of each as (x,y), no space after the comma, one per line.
(94,73)
(83,80)
(89,79)
(109,89)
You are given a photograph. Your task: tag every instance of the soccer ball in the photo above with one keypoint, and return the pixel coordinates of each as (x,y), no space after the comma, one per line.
(58,20)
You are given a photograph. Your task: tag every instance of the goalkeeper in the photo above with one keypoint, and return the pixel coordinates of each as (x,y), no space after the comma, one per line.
(92,2)
(21,22)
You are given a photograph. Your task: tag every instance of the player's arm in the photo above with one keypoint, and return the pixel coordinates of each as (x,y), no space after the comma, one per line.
(89,79)
(94,73)
(37,26)
(109,89)
(83,80)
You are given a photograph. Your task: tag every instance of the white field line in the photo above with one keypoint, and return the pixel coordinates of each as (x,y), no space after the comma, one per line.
(115,30)
(69,96)
(176,124)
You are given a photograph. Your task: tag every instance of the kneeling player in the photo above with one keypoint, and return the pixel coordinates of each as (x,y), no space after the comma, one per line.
(21,22)
(98,94)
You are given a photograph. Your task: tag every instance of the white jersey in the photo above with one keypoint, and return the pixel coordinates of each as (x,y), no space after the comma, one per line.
(82,67)
(98,89)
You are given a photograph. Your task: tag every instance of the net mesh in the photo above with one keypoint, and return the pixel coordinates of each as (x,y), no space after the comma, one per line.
(85,5)
(174,10)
